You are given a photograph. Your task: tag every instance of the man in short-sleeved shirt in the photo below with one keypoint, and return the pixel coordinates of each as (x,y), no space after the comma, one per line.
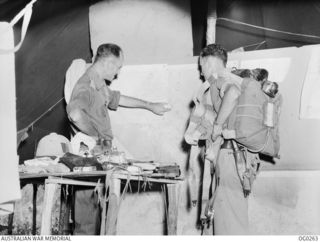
(88,111)
(91,97)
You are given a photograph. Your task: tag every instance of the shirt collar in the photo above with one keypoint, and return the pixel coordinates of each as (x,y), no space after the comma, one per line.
(212,80)
(94,76)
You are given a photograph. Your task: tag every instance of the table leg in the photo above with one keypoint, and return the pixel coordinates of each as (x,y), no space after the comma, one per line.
(65,210)
(113,206)
(34,209)
(173,207)
(48,202)
(103,205)
(10,223)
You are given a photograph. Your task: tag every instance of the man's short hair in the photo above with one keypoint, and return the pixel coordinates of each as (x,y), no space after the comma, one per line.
(106,50)
(260,74)
(215,50)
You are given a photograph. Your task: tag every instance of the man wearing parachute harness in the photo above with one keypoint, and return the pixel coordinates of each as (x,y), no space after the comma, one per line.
(226,127)
(228,203)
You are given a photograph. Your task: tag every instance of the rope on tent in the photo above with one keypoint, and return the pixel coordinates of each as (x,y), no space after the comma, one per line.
(23,133)
(26,14)
(268,29)
(47,111)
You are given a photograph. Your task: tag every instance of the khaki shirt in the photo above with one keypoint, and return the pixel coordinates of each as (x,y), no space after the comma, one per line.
(218,93)
(94,97)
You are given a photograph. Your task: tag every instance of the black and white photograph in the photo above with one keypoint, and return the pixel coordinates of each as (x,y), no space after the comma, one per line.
(159,118)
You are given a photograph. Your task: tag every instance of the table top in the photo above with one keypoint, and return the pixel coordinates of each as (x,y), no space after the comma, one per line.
(24,177)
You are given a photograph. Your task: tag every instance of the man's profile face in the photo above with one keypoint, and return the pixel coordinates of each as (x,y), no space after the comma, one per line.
(210,65)
(112,67)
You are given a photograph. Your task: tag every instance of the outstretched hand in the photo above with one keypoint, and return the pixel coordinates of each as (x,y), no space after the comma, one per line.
(160,108)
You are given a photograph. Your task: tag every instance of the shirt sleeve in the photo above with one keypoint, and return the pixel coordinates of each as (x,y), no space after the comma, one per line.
(80,99)
(225,86)
(114,98)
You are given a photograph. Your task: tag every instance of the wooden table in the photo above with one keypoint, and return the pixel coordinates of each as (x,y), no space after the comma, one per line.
(112,182)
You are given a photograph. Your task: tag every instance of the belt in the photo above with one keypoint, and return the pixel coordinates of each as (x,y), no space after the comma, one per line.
(227,144)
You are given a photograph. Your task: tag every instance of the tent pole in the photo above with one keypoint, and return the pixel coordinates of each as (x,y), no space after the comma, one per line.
(211,22)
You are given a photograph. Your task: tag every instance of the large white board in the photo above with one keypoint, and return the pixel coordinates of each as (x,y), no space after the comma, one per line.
(147,30)
(144,134)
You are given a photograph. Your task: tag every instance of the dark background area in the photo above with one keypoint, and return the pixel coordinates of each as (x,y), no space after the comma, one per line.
(291,16)
(59,32)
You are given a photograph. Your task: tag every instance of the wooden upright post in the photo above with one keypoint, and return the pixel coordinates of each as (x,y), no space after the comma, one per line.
(211,22)
(65,210)
(173,207)
(34,209)
(10,223)
(48,201)
(113,206)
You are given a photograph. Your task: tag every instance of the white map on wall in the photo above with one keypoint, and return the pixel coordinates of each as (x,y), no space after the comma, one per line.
(147,82)
(277,67)
(148,136)
(310,98)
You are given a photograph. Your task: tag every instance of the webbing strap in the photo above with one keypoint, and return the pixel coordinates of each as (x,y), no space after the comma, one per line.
(248,116)
(248,105)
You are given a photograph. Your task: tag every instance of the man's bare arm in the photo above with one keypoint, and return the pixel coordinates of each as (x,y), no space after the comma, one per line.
(131,102)
(229,102)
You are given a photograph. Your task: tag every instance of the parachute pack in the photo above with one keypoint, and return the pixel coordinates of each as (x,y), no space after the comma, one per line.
(254,122)
(255,119)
